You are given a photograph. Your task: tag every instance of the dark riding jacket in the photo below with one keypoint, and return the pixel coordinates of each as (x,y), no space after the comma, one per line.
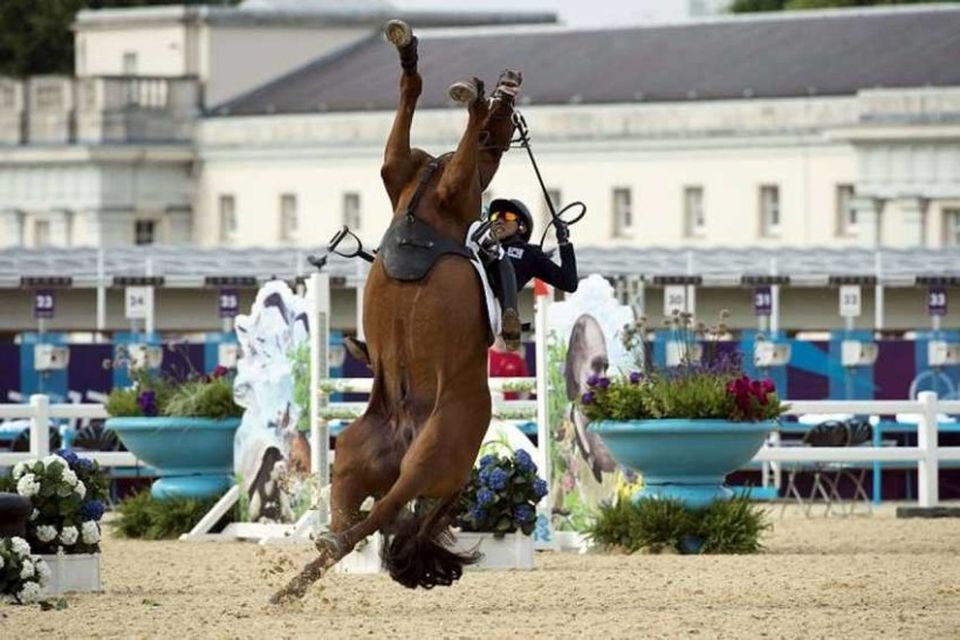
(530,262)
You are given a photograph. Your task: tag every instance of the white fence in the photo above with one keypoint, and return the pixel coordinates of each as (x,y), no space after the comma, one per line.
(39,411)
(927,454)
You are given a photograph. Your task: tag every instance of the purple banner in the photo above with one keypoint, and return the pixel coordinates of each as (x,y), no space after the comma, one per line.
(229,303)
(762,301)
(937,301)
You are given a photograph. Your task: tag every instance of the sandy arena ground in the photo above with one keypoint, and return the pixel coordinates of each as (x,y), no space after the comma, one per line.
(859,577)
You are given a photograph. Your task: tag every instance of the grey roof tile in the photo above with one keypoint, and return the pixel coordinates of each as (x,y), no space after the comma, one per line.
(793,55)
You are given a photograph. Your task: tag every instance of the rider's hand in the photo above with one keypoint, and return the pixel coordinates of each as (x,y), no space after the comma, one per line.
(563,232)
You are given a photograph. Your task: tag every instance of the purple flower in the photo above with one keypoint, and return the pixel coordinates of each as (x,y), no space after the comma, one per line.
(635,377)
(540,488)
(523,514)
(604,382)
(593,380)
(68,455)
(498,479)
(587,398)
(477,514)
(485,496)
(488,460)
(91,509)
(525,462)
(148,403)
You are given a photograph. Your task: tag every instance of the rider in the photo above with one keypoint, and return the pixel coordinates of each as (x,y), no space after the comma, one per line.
(512,226)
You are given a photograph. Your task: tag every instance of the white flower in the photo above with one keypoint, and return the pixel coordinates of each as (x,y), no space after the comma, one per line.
(81,489)
(26,570)
(69,535)
(90,532)
(27,486)
(46,533)
(1,562)
(34,515)
(43,570)
(30,592)
(69,477)
(54,459)
(19,469)
(20,546)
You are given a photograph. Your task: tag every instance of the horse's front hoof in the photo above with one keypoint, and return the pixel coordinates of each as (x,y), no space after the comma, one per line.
(398,33)
(464,92)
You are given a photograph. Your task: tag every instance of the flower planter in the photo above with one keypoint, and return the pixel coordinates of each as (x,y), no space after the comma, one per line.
(682,459)
(512,551)
(192,456)
(76,572)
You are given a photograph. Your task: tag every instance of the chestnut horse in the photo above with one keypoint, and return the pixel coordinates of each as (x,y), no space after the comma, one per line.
(430,404)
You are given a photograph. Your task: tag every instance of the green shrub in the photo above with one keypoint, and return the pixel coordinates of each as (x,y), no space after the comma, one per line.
(202,398)
(726,526)
(143,516)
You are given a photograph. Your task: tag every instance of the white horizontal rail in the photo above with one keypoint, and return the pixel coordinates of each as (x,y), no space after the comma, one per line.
(365,385)
(103,458)
(862,407)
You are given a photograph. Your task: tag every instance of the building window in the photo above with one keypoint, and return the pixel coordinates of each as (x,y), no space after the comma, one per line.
(694,221)
(129,63)
(351,210)
(622,212)
(144,232)
(41,233)
(228,219)
(769,210)
(8,96)
(50,96)
(951,227)
(288,217)
(845,211)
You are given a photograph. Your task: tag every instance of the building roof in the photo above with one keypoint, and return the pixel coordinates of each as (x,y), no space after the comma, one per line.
(792,54)
(306,14)
(189,266)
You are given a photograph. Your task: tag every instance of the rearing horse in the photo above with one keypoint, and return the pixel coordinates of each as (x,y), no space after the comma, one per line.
(427,338)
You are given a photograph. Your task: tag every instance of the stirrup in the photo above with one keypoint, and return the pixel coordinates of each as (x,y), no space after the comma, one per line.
(511,329)
(398,33)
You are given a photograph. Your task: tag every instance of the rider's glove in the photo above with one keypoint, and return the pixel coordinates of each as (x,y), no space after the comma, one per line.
(563,232)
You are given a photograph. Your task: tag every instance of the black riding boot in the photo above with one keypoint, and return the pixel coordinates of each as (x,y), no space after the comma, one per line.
(510,329)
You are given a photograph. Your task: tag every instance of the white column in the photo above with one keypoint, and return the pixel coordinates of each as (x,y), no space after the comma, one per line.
(868,220)
(179,225)
(928,471)
(914,216)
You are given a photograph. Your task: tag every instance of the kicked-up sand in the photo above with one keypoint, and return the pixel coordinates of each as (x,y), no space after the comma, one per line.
(855,577)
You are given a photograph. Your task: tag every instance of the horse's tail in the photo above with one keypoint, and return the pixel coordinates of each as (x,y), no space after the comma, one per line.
(418,553)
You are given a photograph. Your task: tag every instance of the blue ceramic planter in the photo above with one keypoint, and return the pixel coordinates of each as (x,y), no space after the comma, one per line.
(193,456)
(683,459)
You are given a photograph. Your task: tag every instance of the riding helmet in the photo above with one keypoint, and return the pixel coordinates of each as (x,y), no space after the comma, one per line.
(526,220)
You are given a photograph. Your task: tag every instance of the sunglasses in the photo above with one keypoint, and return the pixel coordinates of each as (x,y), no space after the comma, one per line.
(509,216)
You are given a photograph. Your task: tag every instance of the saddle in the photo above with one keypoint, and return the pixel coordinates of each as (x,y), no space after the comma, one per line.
(411,247)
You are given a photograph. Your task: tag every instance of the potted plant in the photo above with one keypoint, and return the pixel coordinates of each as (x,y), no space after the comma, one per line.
(497,510)
(22,575)
(182,428)
(685,427)
(67,495)
(495,516)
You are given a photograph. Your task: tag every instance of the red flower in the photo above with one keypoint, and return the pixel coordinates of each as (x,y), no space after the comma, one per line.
(219,372)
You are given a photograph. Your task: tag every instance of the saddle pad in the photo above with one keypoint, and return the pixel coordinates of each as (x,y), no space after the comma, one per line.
(492,304)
